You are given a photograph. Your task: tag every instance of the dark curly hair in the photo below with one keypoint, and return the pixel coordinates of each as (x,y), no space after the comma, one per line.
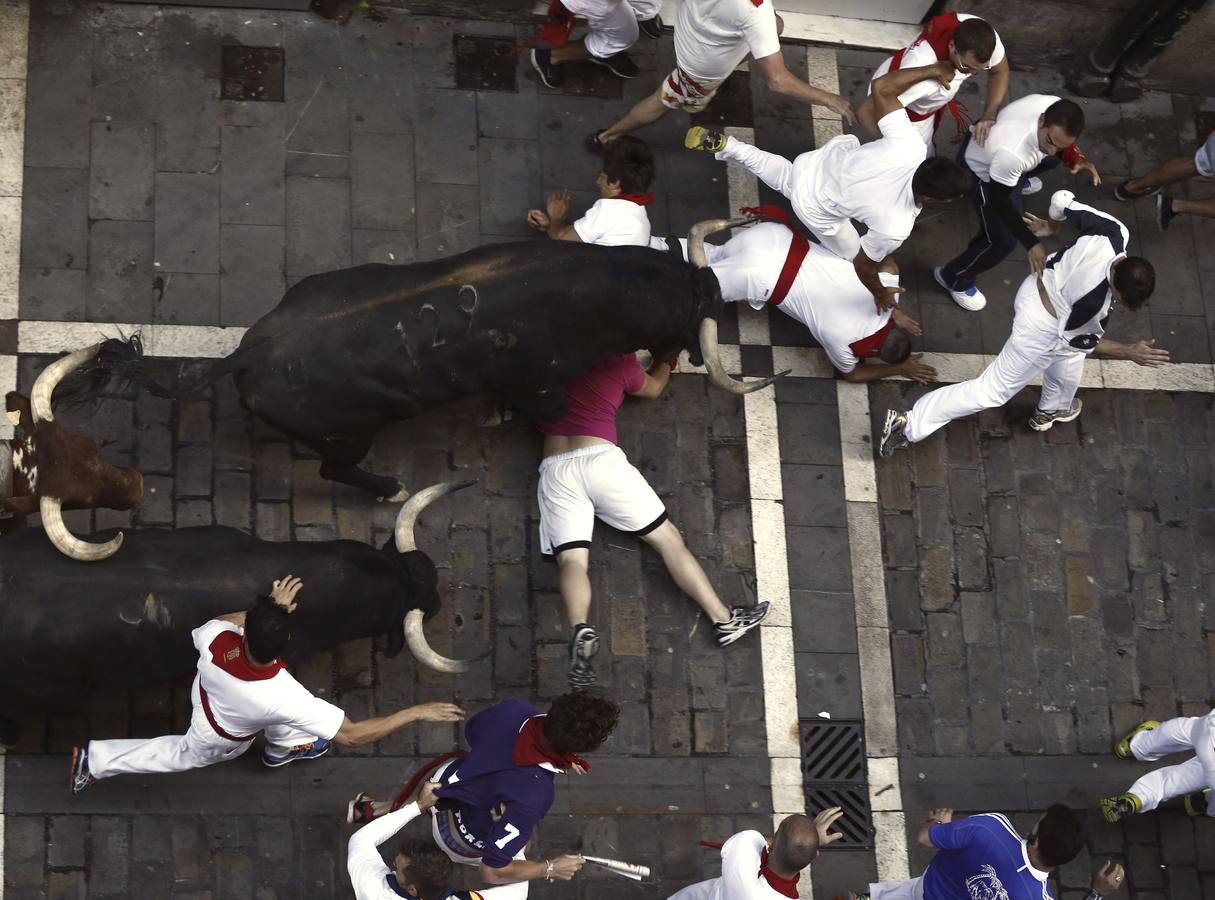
(1060,835)
(579,722)
(429,868)
(629,161)
(267,630)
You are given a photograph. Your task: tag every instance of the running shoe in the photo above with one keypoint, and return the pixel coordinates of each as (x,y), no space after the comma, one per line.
(1122,749)
(1042,420)
(972,298)
(1124,193)
(701,138)
(1118,808)
(592,142)
(894,433)
(1031,186)
(1196,803)
(314,750)
(619,64)
(742,619)
(549,72)
(81,778)
(359,810)
(583,646)
(651,28)
(1164,211)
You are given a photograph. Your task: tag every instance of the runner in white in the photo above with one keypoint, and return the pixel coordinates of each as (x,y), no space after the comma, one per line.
(1193,779)
(420,869)
(236,697)
(613,26)
(711,38)
(769,264)
(754,867)
(882,184)
(971,45)
(619,216)
(1060,319)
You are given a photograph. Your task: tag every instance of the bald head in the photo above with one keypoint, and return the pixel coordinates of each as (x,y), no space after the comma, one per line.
(795,845)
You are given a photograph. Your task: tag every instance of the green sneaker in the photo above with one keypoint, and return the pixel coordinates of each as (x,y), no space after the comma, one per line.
(701,138)
(1117,808)
(1196,803)
(1122,749)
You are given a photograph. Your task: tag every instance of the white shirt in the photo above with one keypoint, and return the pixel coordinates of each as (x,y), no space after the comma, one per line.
(870,183)
(826,296)
(612,222)
(930,95)
(713,36)
(243,707)
(740,878)
(1012,144)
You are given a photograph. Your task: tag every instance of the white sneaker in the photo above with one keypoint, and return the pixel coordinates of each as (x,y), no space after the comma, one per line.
(1032,186)
(971,299)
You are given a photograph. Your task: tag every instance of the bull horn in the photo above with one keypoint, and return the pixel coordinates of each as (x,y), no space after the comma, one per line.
(415,637)
(40,396)
(68,543)
(717,372)
(408,516)
(701,230)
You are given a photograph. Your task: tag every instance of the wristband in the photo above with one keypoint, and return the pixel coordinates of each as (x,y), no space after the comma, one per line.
(1092,895)
(548,876)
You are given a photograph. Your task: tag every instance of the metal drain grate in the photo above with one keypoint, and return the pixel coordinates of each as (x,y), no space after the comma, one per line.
(252,73)
(834,774)
(485,63)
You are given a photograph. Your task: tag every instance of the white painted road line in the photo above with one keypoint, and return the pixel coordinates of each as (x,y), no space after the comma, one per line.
(207,341)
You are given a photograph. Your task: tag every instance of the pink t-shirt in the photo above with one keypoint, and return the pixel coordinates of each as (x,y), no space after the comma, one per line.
(594,397)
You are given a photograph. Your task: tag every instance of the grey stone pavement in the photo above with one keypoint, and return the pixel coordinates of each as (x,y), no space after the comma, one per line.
(148,199)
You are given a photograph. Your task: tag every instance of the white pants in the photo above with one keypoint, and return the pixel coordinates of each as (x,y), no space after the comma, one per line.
(912,889)
(200,746)
(1033,348)
(612,24)
(1194,734)
(837,234)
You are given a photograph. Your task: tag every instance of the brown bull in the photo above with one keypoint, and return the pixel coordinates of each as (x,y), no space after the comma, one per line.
(44,469)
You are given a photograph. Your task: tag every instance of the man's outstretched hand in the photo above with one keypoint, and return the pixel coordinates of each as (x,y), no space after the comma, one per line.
(1143,353)
(437,712)
(284,590)
(823,822)
(918,371)
(1109,879)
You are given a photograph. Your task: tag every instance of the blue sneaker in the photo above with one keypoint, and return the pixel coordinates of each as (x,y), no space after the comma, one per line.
(972,298)
(316,749)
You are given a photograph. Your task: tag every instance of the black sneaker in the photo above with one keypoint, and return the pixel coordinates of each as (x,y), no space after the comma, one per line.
(1196,803)
(1124,193)
(742,619)
(583,645)
(651,28)
(80,770)
(592,142)
(549,72)
(894,433)
(619,64)
(1164,211)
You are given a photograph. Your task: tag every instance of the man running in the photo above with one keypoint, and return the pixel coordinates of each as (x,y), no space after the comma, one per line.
(1193,779)
(613,26)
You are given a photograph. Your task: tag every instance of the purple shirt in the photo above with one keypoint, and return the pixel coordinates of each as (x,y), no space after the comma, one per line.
(593,398)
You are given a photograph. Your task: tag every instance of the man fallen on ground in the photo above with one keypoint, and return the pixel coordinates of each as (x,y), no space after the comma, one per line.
(883,184)
(712,37)
(754,867)
(970,45)
(613,26)
(1194,779)
(1060,319)
(1031,135)
(771,264)
(619,216)
(1176,170)
(984,856)
(490,800)
(242,690)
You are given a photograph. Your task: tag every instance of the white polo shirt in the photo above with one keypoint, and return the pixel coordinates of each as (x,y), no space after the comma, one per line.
(243,700)
(1012,144)
(713,36)
(930,95)
(826,296)
(870,183)
(612,222)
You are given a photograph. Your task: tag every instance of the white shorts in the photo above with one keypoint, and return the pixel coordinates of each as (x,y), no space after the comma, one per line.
(593,482)
(1204,159)
(680,91)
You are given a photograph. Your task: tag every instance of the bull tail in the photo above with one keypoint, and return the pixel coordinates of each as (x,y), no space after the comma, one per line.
(120,364)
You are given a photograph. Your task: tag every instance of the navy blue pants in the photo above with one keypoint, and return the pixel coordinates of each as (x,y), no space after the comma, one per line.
(994,241)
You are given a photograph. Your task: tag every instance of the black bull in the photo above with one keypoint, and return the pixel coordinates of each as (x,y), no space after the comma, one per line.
(70,630)
(346,352)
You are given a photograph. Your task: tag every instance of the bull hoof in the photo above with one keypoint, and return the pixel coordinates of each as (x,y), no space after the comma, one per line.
(399,497)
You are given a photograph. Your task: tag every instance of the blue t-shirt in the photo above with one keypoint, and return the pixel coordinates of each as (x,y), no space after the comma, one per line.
(982,858)
(497,803)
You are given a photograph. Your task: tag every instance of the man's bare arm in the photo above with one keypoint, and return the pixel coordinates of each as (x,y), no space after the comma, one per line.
(782,81)
(656,381)
(886,90)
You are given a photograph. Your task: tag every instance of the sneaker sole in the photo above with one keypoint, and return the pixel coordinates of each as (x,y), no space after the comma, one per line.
(290,759)
(1127,197)
(1050,423)
(966,303)
(695,144)
(884,450)
(1126,741)
(1162,222)
(540,72)
(607,65)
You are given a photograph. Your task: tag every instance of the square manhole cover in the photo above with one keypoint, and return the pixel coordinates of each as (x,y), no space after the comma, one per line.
(252,73)
(485,63)
(835,774)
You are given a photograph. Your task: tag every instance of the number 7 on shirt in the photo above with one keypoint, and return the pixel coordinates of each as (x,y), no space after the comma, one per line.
(511,833)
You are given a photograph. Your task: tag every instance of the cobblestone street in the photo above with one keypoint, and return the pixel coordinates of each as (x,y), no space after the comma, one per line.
(1042,593)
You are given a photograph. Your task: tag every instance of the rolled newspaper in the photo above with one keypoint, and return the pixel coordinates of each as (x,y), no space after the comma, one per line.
(628,870)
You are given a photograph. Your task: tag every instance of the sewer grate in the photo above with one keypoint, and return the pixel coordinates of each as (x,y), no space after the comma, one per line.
(834,774)
(252,73)
(485,63)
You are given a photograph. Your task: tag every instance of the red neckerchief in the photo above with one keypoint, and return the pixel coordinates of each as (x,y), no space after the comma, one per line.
(639,199)
(937,33)
(786,887)
(872,345)
(531,748)
(769,213)
(228,653)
